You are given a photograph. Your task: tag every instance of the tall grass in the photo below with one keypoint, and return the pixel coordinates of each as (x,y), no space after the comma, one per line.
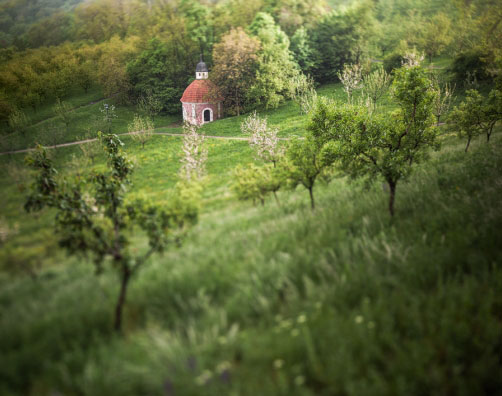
(288,301)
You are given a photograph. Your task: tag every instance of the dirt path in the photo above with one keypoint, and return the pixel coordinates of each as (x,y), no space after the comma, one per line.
(121,134)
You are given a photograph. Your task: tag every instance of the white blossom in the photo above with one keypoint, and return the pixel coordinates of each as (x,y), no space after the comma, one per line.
(194,156)
(413,58)
(263,138)
(351,78)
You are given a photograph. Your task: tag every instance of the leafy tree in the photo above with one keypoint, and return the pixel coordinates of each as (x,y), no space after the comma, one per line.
(306,163)
(94,220)
(18,121)
(150,105)
(339,39)
(141,129)
(108,112)
(235,63)
(199,24)
(155,72)
(255,183)
(63,111)
(84,75)
(303,50)
(376,85)
(476,115)
(383,145)
(436,35)
(276,68)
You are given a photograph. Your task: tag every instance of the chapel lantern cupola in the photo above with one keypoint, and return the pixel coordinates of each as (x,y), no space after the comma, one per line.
(201,72)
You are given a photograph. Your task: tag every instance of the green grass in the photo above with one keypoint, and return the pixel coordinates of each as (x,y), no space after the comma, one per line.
(286,301)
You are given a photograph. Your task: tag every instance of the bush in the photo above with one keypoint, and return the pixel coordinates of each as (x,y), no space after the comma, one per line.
(393,61)
(469,65)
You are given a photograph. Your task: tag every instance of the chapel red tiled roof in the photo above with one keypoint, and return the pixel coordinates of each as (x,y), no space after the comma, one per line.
(201,91)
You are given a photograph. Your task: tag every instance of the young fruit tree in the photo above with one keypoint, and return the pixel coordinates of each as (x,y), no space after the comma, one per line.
(141,129)
(63,111)
(351,78)
(386,145)
(444,96)
(193,160)
(150,105)
(18,121)
(306,163)
(304,93)
(475,115)
(255,183)
(376,85)
(93,218)
(263,139)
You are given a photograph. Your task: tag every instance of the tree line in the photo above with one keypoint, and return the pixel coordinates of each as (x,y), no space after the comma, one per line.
(255,49)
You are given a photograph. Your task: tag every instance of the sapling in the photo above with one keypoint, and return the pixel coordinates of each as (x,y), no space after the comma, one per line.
(387,145)
(306,164)
(264,139)
(194,155)
(304,93)
(376,85)
(351,78)
(64,112)
(93,218)
(141,129)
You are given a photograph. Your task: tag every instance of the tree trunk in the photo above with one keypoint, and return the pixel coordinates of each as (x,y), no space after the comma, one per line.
(392,195)
(438,117)
(312,203)
(126,274)
(468,142)
(276,199)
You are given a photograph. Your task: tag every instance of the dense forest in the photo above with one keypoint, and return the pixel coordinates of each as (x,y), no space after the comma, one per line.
(254,49)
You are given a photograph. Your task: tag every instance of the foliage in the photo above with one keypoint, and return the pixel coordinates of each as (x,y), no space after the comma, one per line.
(476,115)
(351,79)
(339,39)
(305,94)
(303,50)
(95,222)
(150,105)
(64,112)
(381,145)
(276,67)
(393,61)
(255,183)
(444,96)
(263,139)
(18,121)
(162,71)
(193,160)
(235,63)
(376,85)
(109,114)
(141,129)
(306,163)
(436,35)
(469,64)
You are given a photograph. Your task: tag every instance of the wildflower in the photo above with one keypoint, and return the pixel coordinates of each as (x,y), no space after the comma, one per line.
(359,319)
(302,319)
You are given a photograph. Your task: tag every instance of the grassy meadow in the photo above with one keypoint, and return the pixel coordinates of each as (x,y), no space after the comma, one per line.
(272,300)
